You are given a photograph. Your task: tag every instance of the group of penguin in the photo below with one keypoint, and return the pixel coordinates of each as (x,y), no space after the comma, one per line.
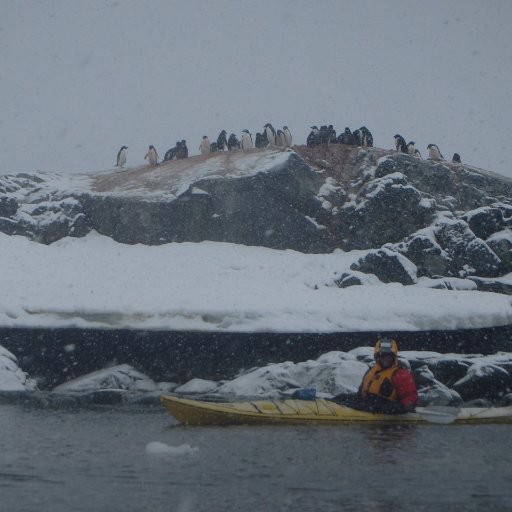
(269,137)
(283,139)
(327,135)
(410,149)
(151,156)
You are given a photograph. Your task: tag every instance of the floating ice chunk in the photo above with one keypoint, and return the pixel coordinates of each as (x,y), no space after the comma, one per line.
(157,448)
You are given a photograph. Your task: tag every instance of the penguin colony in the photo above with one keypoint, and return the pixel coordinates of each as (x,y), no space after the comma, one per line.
(283,139)
(268,137)
(327,135)
(410,149)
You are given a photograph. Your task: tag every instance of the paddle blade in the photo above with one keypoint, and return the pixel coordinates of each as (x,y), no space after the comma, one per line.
(438,414)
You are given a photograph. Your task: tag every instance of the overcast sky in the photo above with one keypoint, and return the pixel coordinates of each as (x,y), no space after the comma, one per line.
(81,78)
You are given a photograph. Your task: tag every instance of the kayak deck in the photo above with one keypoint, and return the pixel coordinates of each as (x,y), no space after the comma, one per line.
(295,412)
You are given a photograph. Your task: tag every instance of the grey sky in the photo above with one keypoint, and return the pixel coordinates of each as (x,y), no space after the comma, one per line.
(81,78)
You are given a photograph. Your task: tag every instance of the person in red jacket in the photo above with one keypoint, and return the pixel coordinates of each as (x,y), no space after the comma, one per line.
(386,388)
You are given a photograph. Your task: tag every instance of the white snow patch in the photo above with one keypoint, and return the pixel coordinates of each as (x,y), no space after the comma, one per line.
(213,286)
(197,386)
(12,377)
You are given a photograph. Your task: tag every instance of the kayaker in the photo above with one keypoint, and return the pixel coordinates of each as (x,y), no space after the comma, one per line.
(386,388)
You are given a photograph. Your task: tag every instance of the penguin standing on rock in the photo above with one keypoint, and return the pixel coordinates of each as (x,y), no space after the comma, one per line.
(204,147)
(456,158)
(121,157)
(170,154)
(280,139)
(366,137)
(411,148)
(260,142)
(271,134)
(324,134)
(331,134)
(400,144)
(313,137)
(182,150)
(347,137)
(246,140)
(152,156)
(222,141)
(233,142)
(287,136)
(434,153)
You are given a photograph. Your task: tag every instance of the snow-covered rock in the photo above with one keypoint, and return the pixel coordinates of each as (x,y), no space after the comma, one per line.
(359,198)
(483,380)
(12,377)
(196,387)
(267,382)
(388,266)
(433,392)
(441,379)
(122,377)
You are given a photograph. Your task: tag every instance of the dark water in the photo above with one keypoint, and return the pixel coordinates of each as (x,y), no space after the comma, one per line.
(97,461)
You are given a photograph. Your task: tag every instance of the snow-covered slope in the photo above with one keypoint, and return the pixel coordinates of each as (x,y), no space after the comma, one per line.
(400,243)
(94,282)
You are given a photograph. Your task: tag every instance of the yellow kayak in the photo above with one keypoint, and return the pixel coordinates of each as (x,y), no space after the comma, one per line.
(319,411)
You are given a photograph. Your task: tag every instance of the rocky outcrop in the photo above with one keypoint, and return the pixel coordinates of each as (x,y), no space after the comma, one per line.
(12,377)
(441,380)
(484,381)
(442,219)
(388,266)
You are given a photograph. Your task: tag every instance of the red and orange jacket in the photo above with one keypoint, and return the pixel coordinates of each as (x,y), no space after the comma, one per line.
(394,384)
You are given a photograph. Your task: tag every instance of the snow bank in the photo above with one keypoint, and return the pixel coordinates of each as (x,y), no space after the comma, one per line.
(94,282)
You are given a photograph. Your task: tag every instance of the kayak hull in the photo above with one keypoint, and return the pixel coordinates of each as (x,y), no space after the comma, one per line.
(301,412)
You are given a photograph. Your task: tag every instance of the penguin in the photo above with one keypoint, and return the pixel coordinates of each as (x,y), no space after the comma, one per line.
(260,141)
(323,134)
(271,134)
(222,141)
(152,156)
(411,148)
(177,150)
(121,157)
(347,137)
(331,134)
(204,147)
(400,144)
(246,140)
(233,142)
(181,150)
(171,154)
(434,153)
(366,137)
(287,136)
(213,147)
(313,138)
(456,158)
(280,139)
(416,153)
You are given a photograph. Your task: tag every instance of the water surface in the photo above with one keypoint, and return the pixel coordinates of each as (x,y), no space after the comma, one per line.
(96,460)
